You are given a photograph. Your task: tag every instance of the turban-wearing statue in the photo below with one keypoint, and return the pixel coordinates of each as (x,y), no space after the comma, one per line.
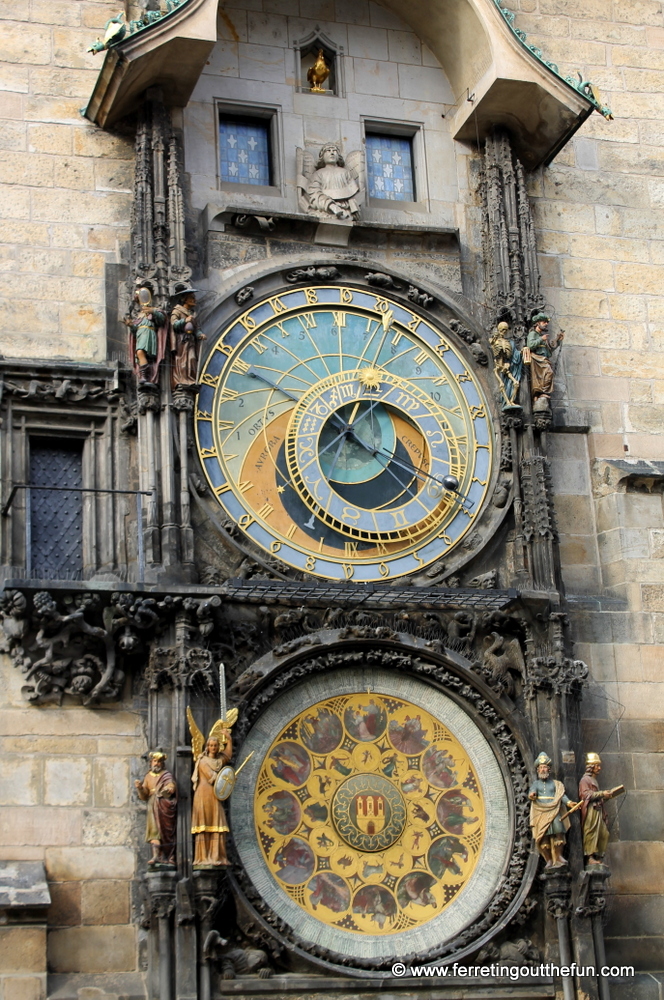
(540,351)
(159,790)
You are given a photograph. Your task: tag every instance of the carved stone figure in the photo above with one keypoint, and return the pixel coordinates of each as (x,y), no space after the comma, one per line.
(147,335)
(209,825)
(332,186)
(594,823)
(541,347)
(500,658)
(235,960)
(507,365)
(185,338)
(159,790)
(548,805)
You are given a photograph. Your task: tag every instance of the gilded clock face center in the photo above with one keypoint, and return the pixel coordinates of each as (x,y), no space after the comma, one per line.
(369,812)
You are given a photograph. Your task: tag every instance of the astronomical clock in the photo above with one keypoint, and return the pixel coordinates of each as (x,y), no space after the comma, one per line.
(344,433)
(349,435)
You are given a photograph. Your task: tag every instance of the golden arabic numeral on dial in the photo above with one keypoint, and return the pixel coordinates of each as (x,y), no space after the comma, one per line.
(345,295)
(414,323)
(310,564)
(249,323)
(349,570)
(277,305)
(210,379)
(208,452)
(384,569)
(245,521)
(311,297)
(275,547)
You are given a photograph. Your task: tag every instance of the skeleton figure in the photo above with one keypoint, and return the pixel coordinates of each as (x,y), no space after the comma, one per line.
(332,186)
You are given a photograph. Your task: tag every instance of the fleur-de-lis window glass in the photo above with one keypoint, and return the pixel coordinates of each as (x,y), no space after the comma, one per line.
(390,167)
(244,151)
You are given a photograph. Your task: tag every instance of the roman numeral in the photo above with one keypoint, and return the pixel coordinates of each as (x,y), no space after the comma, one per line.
(307,321)
(421,357)
(240,366)
(265,510)
(246,485)
(228,394)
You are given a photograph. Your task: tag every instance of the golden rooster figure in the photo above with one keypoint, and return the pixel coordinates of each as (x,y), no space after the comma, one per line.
(318,73)
(208,818)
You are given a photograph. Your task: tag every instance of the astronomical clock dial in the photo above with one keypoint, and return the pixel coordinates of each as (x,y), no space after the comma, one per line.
(328,420)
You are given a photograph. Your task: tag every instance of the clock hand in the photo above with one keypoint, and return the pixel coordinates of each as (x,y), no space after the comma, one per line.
(402,463)
(252,373)
(338,452)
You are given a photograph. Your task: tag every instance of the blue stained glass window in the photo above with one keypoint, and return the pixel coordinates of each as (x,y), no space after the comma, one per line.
(390,167)
(244,151)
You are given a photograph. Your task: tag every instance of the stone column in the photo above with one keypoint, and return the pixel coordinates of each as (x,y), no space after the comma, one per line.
(24,899)
(161,890)
(209,887)
(557,892)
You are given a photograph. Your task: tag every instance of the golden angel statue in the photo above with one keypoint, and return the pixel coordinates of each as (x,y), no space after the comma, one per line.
(208,817)
(332,186)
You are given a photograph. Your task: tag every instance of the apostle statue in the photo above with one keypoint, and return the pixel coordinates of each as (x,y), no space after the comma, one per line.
(540,350)
(332,186)
(147,335)
(593,814)
(508,365)
(209,825)
(159,790)
(185,337)
(548,807)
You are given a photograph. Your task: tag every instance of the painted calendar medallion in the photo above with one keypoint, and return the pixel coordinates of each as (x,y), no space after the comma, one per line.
(380,811)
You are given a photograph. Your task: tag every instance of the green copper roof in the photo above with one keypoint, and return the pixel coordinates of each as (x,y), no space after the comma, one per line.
(585,87)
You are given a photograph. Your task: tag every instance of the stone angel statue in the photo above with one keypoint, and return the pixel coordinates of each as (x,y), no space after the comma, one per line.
(209,825)
(332,186)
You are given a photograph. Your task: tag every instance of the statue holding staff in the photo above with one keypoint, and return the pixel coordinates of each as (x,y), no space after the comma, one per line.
(549,804)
